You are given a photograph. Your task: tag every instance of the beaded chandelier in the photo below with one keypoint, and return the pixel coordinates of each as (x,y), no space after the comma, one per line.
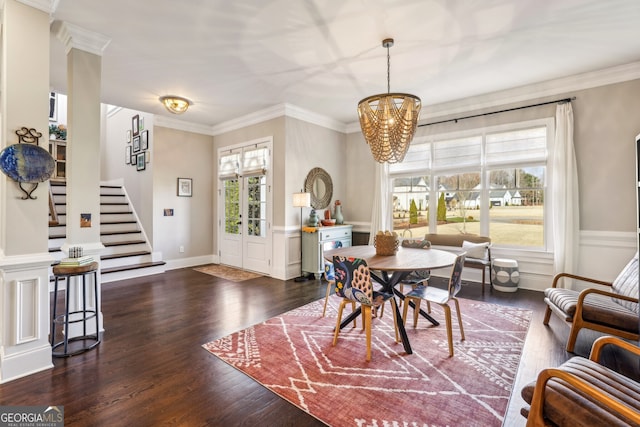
(389,120)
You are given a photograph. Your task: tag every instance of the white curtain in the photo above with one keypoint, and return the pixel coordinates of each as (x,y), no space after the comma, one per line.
(381,213)
(566,214)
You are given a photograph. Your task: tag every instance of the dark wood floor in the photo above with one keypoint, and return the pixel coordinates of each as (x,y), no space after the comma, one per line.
(150,369)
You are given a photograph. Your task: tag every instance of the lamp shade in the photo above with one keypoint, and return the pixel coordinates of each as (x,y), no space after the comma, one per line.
(389,120)
(301,200)
(388,123)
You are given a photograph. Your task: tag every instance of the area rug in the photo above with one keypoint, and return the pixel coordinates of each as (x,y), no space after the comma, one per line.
(229,273)
(292,356)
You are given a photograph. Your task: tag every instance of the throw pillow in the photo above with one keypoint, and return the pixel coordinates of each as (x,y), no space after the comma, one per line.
(475,250)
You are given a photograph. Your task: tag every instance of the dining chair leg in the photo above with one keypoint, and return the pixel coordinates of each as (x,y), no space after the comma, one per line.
(405,309)
(447,316)
(459,318)
(353,308)
(326,298)
(366,319)
(395,318)
(416,312)
(337,330)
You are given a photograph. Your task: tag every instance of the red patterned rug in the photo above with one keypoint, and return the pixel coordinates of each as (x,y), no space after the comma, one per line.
(292,356)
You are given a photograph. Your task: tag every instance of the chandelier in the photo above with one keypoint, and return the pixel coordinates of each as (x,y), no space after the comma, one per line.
(389,120)
(175,104)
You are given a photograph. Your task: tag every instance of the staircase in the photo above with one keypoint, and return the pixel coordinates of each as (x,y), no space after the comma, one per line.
(127,251)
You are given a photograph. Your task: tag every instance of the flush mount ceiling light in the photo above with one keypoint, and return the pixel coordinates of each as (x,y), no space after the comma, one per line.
(175,104)
(389,120)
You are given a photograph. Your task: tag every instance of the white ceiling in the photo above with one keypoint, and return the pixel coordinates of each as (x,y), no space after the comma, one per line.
(234,58)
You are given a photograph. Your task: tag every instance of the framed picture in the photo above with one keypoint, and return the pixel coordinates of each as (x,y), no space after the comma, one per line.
(85,220)
(136,144)
(185,187)
(141,123)
(127,155)
(53,107)
(128,136)
(135,124)
(147,156)
(144,140)
(140,163)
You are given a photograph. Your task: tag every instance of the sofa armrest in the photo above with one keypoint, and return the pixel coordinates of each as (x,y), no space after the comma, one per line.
(559,276)
(600,343)
(536,414)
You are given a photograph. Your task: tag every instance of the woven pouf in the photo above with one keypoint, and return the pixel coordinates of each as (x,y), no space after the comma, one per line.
(505,275)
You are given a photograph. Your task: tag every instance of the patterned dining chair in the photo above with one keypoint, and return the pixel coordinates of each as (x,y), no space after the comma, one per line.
(330,277)
(440,297)
(329,273)
(353,283)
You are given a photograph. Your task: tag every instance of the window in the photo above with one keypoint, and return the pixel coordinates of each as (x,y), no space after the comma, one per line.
(490,181)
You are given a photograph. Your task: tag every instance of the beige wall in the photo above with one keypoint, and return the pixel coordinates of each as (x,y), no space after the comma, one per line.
(179,154)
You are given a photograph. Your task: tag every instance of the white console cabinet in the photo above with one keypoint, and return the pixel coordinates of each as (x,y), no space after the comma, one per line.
(314,245)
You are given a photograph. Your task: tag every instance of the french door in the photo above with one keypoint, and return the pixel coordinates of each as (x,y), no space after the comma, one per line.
(245,208)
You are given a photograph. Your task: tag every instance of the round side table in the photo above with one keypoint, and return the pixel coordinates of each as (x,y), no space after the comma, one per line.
(82,315)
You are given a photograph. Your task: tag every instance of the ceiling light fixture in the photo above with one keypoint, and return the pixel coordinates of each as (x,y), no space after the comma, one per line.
(175,104)
(389,120)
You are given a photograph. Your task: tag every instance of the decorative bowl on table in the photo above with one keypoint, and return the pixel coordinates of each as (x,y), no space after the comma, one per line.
(328,222)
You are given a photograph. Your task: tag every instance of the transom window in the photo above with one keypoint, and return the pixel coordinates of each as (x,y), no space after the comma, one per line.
(490,181)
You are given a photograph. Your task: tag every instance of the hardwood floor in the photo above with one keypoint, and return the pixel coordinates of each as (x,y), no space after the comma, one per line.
(150,368)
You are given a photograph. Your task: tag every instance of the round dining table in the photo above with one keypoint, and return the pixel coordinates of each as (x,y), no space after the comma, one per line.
(393,269)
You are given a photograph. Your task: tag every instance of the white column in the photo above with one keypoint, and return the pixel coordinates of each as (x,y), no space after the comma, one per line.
(24,256)
(84,63)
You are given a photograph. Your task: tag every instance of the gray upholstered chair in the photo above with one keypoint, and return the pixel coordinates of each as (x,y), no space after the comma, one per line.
(613,311)
(440,297)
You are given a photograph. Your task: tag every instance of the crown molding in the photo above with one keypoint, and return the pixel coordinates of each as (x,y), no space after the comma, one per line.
(75,37)
(314,118)
(250,119)
(171,123)
(276,111)
(47,6)
(525,93)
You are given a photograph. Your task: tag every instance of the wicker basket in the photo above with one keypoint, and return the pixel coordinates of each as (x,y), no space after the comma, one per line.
(386,245)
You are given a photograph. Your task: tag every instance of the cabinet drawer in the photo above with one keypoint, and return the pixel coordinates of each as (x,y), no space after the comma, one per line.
(334,234)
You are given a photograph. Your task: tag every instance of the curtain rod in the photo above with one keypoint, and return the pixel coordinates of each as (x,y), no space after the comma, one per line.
(557,101)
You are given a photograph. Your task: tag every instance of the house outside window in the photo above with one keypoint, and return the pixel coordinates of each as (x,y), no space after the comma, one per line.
(490,181)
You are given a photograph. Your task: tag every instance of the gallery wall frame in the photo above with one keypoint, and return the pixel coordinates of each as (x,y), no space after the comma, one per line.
(144,140)
(185,187)
(141,164)
(135,125)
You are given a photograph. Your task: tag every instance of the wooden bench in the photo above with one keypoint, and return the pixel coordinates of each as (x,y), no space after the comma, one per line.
(478,249)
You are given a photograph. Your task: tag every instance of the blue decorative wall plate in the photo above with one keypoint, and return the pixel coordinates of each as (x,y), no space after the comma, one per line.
(26,163)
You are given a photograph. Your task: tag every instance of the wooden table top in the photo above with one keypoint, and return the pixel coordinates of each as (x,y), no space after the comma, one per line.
(406,259)
(71,270)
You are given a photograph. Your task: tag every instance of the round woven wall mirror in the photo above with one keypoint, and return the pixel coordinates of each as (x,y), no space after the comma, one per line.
(319,184)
